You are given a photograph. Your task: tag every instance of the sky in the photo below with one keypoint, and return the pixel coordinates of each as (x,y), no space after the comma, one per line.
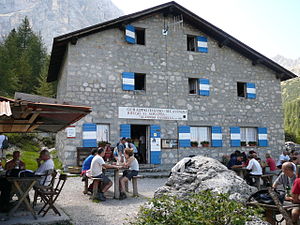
(271,27)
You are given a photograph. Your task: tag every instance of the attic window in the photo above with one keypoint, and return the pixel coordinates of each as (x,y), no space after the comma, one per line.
(191,43)
(140,36)
(241,89)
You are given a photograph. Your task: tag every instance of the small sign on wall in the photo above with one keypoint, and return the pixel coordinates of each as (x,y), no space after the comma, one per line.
(71,132)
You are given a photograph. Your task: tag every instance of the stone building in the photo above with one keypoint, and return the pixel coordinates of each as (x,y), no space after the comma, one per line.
(169,80)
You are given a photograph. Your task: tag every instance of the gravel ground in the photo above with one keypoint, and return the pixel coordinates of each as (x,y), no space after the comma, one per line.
(83,211)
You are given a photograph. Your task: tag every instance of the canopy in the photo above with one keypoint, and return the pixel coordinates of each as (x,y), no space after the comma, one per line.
(28,116)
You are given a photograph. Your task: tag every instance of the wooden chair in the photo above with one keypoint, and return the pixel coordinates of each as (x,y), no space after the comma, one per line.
(50,195)
(51,173)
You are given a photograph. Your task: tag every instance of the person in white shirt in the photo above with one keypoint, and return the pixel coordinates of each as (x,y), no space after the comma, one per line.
(254,167)
(48,164)
(97,166)
(284,157)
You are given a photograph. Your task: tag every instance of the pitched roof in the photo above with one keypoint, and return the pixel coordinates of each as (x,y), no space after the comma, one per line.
(60,43)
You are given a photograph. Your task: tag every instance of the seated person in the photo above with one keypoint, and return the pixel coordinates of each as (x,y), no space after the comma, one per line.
(133,170)
(236,162)
(86,165)
(15,162)
(270,162)
(295,198)
(287,177)
(47,164)
(254,168)
(97,166)
(284,157)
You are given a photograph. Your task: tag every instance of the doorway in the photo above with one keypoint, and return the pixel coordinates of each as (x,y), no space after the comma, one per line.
(138,136)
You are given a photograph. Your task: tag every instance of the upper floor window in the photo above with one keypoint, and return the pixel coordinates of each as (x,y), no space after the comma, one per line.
(135,35)
(193,86)
(246,90)
(197,44)
(133,81)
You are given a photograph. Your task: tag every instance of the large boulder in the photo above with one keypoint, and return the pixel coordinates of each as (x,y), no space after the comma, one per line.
(201,173)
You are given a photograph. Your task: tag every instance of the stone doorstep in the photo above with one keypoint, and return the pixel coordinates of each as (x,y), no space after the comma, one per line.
(25,218)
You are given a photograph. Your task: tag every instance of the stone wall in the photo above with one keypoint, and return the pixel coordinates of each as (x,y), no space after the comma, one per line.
(92,73)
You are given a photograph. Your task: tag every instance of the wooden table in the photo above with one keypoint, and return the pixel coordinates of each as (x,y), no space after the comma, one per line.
(116,182)
(28,183)
(272,210)
(240,171)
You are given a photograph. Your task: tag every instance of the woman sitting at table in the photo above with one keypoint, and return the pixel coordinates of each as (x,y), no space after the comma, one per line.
(133,170)
(15,162)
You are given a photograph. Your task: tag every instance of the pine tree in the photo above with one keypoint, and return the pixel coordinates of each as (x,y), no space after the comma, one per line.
(23,59)
(44,88)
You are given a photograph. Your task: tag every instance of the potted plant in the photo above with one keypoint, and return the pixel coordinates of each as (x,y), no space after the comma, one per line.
(194,143)
(243,143)
(252,143)
(204,143)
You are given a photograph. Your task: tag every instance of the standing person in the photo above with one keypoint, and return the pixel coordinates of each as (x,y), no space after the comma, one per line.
(133,169)
(97,172)
(254,168)
(3,138)
(284,157)
(47,164)
(287,177)
(15,162)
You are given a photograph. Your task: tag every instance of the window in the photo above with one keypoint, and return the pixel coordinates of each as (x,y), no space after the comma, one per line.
(248,136)
(140,36)
(241,89)
(191,43)
(139,81)
(199,134)
(102,132)
(193,86)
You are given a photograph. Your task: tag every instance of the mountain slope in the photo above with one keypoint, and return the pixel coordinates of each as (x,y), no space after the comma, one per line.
(55,17)
(291,64)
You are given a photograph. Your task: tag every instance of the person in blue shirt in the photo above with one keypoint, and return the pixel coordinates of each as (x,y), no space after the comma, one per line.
(87,162)
(236,162)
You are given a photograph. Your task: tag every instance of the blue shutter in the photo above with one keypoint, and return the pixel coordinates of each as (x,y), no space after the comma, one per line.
(128,81)
(89,135)
(130,34)
(184,136)
(202,44)
(203,87)
(155,156)
(125,130)
(262,136)
(235,137)
(251,90)
(216,136)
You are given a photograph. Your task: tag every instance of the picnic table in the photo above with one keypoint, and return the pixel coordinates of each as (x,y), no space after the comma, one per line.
(240,171)
(272,210)
(27,184)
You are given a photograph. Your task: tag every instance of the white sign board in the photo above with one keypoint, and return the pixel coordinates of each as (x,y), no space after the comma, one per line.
(152,113)
(155,144)
(71,132)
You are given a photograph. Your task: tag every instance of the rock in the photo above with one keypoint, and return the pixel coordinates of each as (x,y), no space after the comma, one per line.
(203,173)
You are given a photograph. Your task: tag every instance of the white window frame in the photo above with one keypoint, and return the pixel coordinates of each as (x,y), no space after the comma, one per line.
(198,138)
(246,134)
(101,134)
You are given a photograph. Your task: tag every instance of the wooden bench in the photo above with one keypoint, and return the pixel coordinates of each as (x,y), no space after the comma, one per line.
(96,183)
(134,185)
(265,178)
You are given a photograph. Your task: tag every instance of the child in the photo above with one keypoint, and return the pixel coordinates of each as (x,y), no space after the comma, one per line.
(133,170)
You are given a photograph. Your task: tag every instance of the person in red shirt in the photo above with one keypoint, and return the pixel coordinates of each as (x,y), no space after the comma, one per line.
(271,164)
(295,198)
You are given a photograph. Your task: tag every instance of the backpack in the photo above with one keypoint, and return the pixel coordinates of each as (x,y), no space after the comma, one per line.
(5,143)
(263,196)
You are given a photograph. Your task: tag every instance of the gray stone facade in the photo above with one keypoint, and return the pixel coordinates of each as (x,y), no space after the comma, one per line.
(92,75)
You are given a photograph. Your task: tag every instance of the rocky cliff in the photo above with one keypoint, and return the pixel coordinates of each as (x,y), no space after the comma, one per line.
(55,17)
(291,64)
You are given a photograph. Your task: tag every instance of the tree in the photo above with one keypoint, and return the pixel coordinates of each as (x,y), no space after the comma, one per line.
(23,61)
(44,88)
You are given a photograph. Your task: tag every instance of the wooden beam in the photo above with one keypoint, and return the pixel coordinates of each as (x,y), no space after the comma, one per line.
(32,119)
(256,61)
(33,127)
(26,113)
